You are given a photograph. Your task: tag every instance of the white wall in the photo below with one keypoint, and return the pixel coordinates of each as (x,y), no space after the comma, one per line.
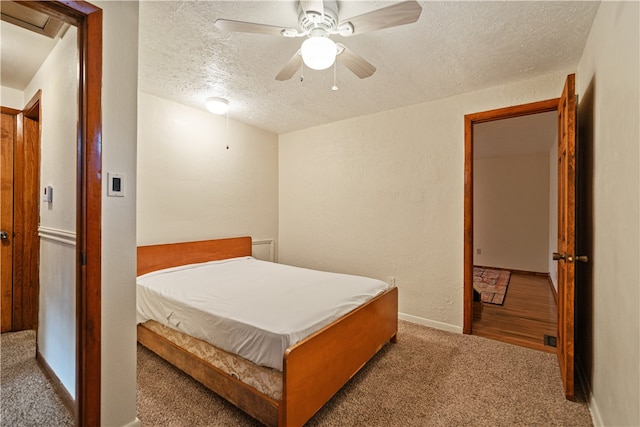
(12,98)
(382,195)
(511,212)
(191,187)
(609,72)
(58,80)
(119,130)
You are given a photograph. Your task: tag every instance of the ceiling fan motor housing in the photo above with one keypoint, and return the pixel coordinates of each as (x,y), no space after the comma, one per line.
(311,20)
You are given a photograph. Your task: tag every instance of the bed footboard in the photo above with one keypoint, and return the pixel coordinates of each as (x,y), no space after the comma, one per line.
(316,368)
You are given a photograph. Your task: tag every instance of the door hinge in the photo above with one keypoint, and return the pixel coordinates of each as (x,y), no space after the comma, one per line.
(83,259)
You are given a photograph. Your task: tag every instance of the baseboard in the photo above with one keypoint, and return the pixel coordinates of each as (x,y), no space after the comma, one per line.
(553,289)
(134,423)
(528,273)
(586,389)
(431,323)
(67,400)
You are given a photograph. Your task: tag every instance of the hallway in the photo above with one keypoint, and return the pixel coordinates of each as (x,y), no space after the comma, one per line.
(528,314)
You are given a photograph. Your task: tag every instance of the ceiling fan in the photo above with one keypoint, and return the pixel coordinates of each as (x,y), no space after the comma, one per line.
(318,21)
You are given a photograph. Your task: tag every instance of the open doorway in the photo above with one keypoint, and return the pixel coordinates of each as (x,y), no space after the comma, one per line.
(86,191)
(565,256)
(498,252)
(515,229)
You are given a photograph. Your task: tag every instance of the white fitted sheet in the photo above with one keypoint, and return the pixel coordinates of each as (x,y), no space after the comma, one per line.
(255,309)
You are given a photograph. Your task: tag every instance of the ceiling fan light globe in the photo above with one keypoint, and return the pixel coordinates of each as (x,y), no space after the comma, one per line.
(318,53)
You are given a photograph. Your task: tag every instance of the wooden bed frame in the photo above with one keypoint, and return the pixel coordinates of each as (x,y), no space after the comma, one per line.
(314,369)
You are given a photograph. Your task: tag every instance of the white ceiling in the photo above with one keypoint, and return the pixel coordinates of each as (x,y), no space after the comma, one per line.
(22,52)
(455,47)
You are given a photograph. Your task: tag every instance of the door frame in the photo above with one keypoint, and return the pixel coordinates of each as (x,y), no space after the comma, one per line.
(469,121)
(26,209)
(88,20)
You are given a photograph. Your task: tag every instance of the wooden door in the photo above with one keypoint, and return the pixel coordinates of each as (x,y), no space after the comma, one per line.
(6,221)
(19,211)
(566,256)
(26,213)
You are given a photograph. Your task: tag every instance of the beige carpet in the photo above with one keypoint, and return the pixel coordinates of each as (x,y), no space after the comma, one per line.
(429,378)
(26,396)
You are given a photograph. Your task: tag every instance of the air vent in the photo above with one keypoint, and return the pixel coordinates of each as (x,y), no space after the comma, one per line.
(30,19)
(549,341)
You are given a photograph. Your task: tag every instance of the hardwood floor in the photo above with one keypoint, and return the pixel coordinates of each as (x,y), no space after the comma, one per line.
(529,312)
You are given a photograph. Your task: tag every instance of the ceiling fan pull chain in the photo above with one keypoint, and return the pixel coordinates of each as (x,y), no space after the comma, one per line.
(302,72)
(227,129)
(335,86)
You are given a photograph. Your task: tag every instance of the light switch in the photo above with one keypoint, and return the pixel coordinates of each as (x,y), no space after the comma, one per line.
(115,185)
(47,194)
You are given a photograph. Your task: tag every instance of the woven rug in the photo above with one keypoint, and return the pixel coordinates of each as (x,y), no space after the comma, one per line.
(491,283)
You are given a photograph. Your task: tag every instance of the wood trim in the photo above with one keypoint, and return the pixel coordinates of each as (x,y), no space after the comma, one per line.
(157,257)
(88,19)
(468,227)
(32,109)
(469,121)
(89,222)
(57,385)
(10,111)
(553,289)
(514,111)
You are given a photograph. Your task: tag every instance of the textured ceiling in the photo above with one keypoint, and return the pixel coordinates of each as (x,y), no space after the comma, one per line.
(455,47)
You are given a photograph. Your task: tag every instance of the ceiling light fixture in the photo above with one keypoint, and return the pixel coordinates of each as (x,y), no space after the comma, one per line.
(318,52)
(217,105)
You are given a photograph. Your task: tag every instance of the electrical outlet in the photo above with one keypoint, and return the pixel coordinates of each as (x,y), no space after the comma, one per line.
(479,251)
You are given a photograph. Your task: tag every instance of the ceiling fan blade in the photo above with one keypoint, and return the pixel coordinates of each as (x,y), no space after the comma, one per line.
(250,27)
(406,12)
(290,67)
(357,64)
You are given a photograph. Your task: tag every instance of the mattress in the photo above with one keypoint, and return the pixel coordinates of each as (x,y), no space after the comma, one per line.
(255,309)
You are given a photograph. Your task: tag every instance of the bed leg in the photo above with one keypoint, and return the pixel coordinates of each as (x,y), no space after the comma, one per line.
(394,339)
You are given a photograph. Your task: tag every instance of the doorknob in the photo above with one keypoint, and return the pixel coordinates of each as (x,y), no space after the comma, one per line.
(4,235)
(581,258)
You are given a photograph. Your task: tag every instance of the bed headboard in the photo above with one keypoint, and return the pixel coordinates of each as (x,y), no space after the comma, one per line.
(157,257)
